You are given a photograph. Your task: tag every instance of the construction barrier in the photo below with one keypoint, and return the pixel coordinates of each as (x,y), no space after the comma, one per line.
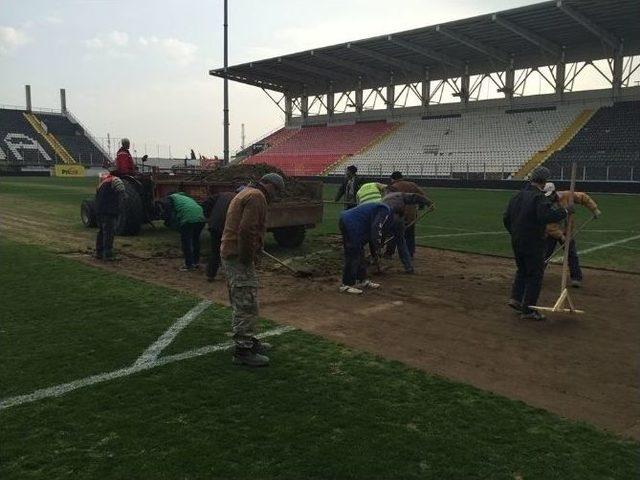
(66,170)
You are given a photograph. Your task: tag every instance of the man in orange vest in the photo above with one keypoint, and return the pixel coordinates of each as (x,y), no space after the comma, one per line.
(556,231)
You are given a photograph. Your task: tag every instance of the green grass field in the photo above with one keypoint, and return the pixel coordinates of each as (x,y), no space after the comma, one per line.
(321,411)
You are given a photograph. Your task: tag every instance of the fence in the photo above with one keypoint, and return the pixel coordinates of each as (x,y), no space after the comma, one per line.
(498,171)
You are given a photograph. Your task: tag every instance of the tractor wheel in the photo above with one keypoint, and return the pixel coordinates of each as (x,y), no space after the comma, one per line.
(88,213)
(131,212)
(290,237)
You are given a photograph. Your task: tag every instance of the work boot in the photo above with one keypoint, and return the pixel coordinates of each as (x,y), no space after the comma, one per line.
(261,347)
(515,304)
(534,315)
(185,268)
(351,289)
(246,356)
(576,283)
(367,284)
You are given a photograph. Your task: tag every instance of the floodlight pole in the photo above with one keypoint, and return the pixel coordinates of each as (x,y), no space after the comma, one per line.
(225,109)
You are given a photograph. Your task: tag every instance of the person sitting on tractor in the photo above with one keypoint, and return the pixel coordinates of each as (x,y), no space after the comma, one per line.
(124,160)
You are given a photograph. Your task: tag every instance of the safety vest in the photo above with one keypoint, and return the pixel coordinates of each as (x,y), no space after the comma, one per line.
(369,192)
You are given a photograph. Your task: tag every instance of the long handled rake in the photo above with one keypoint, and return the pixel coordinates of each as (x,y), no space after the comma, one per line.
(559,247)
(564,300)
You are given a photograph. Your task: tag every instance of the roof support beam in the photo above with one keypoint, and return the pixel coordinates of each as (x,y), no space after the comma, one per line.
(391,61)
(528,35)
(269,85)
(353,66)
(286,76)
(426,52)
(323,72)
(474,44)
(604,35)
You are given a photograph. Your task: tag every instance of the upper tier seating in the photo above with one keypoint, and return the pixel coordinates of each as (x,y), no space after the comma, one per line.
(311,150)
(73,138)
(20,144)
(477,142)
(607,147)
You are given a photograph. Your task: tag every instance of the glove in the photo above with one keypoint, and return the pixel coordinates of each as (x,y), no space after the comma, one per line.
(597,213)
(562,240)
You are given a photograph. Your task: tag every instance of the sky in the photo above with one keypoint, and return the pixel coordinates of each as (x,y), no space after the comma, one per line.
(139,68)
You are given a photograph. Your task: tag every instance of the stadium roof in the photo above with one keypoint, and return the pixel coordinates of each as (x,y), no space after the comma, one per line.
(530,36)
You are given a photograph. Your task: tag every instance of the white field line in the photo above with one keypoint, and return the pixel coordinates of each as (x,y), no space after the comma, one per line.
(151,353)
(59,390)
(610,244)
(467,234)
(558,257)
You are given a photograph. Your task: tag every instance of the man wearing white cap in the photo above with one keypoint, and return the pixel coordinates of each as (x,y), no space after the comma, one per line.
(556,231)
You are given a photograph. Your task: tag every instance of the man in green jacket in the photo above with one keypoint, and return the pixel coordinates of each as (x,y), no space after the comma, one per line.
(187,216)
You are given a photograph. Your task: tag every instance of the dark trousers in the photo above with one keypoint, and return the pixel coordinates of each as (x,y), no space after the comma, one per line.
(410,239)
(106,234)
(399,241)
(528,281)
(355,265)
(214,259)
(190,238)
(574,262)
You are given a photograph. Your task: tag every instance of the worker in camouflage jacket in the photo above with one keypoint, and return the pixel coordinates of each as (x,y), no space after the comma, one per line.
(242,243)
(556,231)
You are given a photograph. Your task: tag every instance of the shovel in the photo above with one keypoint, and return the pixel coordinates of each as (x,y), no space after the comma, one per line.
(296,273)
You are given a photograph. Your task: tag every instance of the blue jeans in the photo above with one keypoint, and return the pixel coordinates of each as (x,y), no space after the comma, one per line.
(574,262)
(355,266)
(190,239)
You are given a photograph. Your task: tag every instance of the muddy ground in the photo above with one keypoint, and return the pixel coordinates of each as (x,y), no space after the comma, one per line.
(449,319)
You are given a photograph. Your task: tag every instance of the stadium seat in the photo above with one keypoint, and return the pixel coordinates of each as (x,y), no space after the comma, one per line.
(311,150)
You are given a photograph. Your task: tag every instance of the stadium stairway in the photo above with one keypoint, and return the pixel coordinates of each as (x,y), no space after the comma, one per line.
(57,147)
(558,144)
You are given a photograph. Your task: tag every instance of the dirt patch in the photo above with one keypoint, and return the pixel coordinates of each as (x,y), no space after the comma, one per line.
(450,319)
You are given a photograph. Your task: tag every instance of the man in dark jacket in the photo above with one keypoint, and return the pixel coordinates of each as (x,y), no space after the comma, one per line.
(110,192)
(217,206)
(349,188)
(362,225)
(526,218)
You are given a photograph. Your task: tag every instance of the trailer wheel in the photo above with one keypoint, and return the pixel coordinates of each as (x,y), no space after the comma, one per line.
(131,212)
(88,213)
(290,237)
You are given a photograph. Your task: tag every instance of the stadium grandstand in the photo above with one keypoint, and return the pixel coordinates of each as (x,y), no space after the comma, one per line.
(488,97)
(35,140)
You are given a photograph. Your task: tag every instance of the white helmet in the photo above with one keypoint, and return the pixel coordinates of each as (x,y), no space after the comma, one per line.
(548,189)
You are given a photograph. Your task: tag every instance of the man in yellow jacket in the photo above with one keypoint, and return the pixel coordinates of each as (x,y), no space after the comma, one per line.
(370,192)
(556,231)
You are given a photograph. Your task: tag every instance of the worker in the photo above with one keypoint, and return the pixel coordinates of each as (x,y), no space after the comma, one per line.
(399,184)
(109,196)
(400,203)
(349,188)
(216,206)
(359,226)
(370,192)
(556,231)
(526,218)
(242,242)
(124,160)
(186,216)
